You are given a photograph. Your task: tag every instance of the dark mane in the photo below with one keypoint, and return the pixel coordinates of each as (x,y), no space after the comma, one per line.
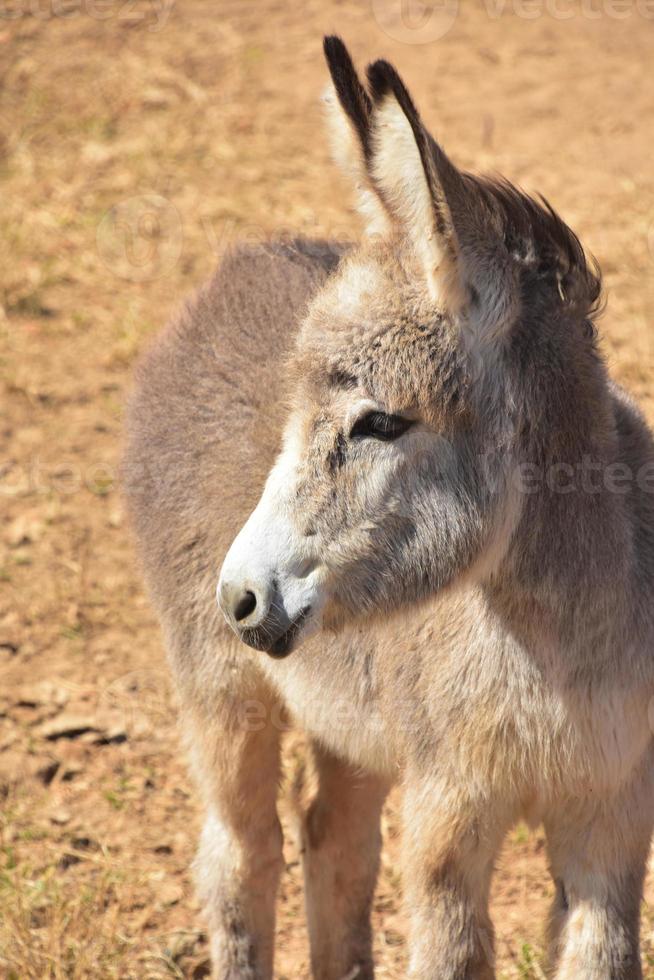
(538,238)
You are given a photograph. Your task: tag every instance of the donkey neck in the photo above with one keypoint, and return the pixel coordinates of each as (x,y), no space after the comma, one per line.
(567,579)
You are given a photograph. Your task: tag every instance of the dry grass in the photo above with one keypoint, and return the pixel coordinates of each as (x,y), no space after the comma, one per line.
(129,159)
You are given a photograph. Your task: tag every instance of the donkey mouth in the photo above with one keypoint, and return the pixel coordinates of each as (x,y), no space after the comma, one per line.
(259,637)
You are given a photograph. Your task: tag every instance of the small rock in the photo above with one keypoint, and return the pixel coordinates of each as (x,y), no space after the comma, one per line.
(67,726)
(25,529)
(169,893)
(85,843)
(47,771)
(60,816)
(42,693)
(97,153)
(68,860)
(72,768)
(112,735)
(115,518)
(155,98)
(17,766)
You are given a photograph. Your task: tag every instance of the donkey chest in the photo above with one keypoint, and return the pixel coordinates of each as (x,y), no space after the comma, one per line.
(485,710)
(530,728)
(334,693)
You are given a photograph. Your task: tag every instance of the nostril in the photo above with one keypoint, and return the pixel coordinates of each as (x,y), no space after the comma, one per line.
(245,606)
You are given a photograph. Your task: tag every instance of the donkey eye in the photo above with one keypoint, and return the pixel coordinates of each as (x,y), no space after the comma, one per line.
(379,425)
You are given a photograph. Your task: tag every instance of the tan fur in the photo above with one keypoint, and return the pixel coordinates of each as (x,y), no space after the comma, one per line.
(348,155)
(398,173)
(428,618)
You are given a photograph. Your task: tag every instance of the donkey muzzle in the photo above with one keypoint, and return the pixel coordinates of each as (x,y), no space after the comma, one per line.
(257,615)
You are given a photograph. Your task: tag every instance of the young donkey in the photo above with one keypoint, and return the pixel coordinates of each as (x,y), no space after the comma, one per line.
(464,502)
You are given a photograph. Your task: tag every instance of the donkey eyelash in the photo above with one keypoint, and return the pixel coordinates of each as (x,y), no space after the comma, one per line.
(379,425)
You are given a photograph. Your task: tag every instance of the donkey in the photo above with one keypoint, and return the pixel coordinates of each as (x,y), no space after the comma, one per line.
(447,579)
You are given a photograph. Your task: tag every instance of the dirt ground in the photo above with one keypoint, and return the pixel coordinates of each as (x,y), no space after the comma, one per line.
(137,139)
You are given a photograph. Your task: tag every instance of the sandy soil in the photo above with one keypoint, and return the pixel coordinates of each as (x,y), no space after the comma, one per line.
(137,140)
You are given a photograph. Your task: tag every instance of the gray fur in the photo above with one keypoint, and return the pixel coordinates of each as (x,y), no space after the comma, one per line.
(487,642)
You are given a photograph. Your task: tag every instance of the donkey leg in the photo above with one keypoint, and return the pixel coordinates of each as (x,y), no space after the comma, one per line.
(341,843)
(449,850)
(235,755)
(598,853)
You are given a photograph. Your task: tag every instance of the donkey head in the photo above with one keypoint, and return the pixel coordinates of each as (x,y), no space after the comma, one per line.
(407,389)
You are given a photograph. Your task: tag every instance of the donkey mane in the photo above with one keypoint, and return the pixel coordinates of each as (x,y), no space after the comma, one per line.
(546,250)
(538,238)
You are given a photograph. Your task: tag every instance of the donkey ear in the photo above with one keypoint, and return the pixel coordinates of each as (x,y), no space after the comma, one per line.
(415,179)
(349,112)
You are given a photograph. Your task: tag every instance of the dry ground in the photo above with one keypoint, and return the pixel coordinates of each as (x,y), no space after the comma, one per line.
(197,122)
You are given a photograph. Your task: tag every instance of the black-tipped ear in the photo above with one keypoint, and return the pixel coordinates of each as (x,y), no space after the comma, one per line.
(383,78)
(351,94)
(440,173)
(413,177)
(348,114)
